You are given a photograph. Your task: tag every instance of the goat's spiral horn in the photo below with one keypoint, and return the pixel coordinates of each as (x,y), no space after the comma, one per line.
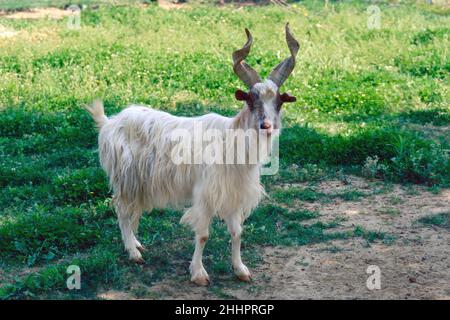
(246,73)
(284,69)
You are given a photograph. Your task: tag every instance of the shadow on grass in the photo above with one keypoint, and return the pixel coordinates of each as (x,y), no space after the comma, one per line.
(436,117)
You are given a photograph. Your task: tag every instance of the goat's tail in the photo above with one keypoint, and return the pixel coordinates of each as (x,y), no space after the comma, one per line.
(97,112)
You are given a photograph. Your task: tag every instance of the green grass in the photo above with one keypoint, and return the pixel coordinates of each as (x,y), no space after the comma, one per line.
(362,94)
(441,220)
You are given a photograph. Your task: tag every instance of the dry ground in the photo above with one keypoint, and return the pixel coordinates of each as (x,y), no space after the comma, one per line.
(37,13)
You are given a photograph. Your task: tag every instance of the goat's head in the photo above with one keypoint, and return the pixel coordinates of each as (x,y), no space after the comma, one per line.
(264,99)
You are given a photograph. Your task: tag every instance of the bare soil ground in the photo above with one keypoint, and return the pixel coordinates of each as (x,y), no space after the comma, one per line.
(170,5)
(37,13)
(415,266)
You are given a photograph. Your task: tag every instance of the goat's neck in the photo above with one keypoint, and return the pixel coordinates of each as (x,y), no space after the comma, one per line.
(242,122)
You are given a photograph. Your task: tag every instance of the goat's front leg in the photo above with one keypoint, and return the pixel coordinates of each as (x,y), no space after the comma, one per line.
(198,273)
(235,230)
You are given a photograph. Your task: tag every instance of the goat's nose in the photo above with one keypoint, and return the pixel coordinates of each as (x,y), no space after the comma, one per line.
(266,124)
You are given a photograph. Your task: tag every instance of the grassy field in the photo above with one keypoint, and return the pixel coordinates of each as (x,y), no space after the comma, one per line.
(372,103)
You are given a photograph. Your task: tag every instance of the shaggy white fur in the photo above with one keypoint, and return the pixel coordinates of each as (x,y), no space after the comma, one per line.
(136,148)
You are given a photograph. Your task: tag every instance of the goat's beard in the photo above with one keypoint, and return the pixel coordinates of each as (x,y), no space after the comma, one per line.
(265,143)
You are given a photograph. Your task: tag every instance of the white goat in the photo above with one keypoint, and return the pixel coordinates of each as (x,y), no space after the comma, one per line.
(136,148)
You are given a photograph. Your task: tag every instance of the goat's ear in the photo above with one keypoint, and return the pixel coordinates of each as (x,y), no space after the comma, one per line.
(241,95)
(286,97)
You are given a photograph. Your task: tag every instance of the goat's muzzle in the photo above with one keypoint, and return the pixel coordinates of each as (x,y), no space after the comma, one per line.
(266,125)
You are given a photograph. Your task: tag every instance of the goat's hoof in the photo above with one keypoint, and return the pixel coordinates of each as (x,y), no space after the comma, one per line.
(245,278)
(200,277)
(201,281)
(242,273)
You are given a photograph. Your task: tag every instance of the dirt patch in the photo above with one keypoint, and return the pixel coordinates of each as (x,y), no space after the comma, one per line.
(170,5)
(418,270)
(115,295)
(37,13)
(394,210)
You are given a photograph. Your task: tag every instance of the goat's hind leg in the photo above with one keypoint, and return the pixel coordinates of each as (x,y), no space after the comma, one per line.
(135,217)
(125,216)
